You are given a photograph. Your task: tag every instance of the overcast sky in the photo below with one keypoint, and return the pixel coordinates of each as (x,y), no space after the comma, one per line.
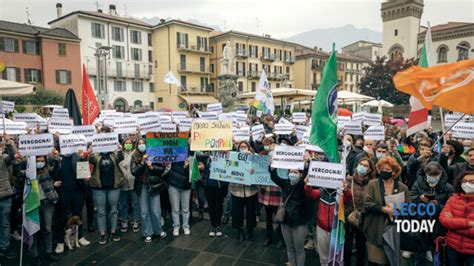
(280,18)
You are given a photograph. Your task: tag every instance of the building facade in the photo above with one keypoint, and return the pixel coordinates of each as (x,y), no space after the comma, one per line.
(364,49)
(253,53)
(182,48)
(128,63)
(48,58)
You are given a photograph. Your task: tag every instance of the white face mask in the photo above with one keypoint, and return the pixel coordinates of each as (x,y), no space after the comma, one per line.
(467,187)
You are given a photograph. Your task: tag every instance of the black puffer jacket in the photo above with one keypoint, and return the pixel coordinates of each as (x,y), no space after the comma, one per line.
(152,179)
(178,176)
(296,207)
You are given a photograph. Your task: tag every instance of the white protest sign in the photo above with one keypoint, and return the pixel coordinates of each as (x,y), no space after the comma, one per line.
(299,117)
(301,130)
(208,115)
(150,124)
(258,132)
(358,116)
(214,107)
(111,115)
(284,121)
(70,144)
(61,126)
(242,134)
(125,125)
(60,114)
(375,133)
(450,119)
(288,157)
(82,170)
(179,114)
(87,130)
(105,142)
(7,107)
(463,130)
(226,116)
(13,128)
(35,145)
(240,118)
(372,119)
(342,121)
(326,175)
(29,118)
(139,116)
(308,145)
(152,115)
(185,124)
(168,128)
(353,128)
(284,129)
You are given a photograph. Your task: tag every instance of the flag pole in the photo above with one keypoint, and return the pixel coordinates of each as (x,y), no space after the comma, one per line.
(444,132)
(22,228)
(443,126)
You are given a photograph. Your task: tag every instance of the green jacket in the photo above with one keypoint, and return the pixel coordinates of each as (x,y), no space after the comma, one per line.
(116,158)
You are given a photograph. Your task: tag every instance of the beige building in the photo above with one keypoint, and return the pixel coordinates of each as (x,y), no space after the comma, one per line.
(252,54)
(364,49)
(182,48)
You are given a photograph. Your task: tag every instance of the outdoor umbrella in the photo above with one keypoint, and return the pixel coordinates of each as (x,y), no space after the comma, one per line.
(397,122)
(343,112)
(70,103)
(391,245)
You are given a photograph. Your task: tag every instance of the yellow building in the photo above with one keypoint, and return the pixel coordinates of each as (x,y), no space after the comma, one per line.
(182,48)
(252,54)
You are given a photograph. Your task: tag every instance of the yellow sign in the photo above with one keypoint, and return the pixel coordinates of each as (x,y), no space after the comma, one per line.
(211,135)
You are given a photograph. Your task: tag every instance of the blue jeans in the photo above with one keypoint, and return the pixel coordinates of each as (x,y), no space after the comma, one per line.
(101,199)
(5,206)
(46,210)
(179,197)
(129,199)
(150,207)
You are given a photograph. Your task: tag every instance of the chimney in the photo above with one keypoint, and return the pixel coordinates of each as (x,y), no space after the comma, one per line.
(59,9)
(112,10)
(99,10)
(162,21)
(316,48)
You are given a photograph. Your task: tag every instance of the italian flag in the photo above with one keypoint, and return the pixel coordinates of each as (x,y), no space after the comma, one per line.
(418,118)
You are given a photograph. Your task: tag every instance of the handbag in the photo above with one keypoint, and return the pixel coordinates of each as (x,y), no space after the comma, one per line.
(280,214)
(355,216)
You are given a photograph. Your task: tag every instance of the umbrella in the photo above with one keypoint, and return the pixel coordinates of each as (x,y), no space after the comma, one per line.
(375,103)
(391,245)
(397,122)
(11,88)
(70,103)
(343,112)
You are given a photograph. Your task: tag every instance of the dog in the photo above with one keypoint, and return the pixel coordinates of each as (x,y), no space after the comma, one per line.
(71,238)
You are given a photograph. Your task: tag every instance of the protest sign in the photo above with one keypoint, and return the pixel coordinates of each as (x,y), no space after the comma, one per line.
(167,147)
(353,128)
(179,114)
(139,116)
(87,130)
(375,133)
(208,115)
(258,132)
(35,145)
(164,119)
(301,130)
(358,116)
(111,115)
(7,107)
(450,119)
(226,116)
(150,124)
(242,134)
(326,175)
(308,145)
(168,128)
(13,128)
(233,167)
(29,118)
(60,114)
(152,115)
(184,124)
(70,144)
(284,129)
(463,130)
(299,117)
(105,142)
(342,121)
(125,125)
(240,118)
(372,119)
(61,126)
(211,135)
(83,170)
(288,157)
(215,107)
(261,174)
(284,121)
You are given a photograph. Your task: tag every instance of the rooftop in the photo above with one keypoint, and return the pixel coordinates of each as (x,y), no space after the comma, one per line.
(33,30)
(101,15)
(362,41)
(177,21)
(251,35)
(447,26)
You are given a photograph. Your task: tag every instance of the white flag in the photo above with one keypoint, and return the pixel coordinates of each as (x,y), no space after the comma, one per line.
(171,79)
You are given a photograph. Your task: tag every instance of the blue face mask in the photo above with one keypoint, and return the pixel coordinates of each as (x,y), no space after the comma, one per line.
(432,180)
(142,147)
(294,178)
(380,155)
(362,170)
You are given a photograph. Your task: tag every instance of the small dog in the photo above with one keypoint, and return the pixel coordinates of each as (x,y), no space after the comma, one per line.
(71,237)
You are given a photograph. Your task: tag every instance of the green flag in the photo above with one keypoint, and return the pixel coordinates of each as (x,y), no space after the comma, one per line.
(194,173)
(324,116)
(426,55)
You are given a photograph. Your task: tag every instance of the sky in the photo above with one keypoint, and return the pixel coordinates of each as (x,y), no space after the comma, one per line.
(279,18)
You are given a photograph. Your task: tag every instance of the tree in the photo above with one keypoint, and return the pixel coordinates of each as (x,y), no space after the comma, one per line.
(378,79)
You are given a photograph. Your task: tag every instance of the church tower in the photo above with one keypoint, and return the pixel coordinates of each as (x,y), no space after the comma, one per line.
(401,25)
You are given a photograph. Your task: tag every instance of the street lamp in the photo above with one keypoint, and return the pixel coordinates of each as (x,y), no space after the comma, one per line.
(102,51)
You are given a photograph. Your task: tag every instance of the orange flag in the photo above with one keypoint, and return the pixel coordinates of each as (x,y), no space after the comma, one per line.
(448,86)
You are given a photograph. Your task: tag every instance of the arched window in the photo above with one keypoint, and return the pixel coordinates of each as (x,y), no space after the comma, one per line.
(442,54)
(396,52)
(120,105)
(137,104)
(463,51)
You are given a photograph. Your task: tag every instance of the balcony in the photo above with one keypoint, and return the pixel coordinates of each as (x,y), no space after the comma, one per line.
(253,74)
(194,68)
(278,76)
(241,53)
(315,86)
(290,59)
(240,73)
(316,67)
(206,90)
(128,73)
(268,57)
(193,48)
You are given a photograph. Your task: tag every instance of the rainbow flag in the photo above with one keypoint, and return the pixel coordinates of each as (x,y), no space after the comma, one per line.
(263,96)
(336,246)
(31,203)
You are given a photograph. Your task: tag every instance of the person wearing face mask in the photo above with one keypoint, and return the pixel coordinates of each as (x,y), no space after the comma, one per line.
(452,152)
(365,171)
(244,197)
(354,150)
(128,198)
(48,199)
(431,186)
(467,144)
(458,217)
(414,165)
(377,214)
(294,227)
(367,151)
(454,169)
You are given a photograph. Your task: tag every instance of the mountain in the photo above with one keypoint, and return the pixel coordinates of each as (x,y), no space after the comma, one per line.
(342,36)
(156,20)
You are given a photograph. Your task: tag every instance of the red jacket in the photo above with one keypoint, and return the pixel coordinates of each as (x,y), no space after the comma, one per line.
(456,215)
(326,205)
